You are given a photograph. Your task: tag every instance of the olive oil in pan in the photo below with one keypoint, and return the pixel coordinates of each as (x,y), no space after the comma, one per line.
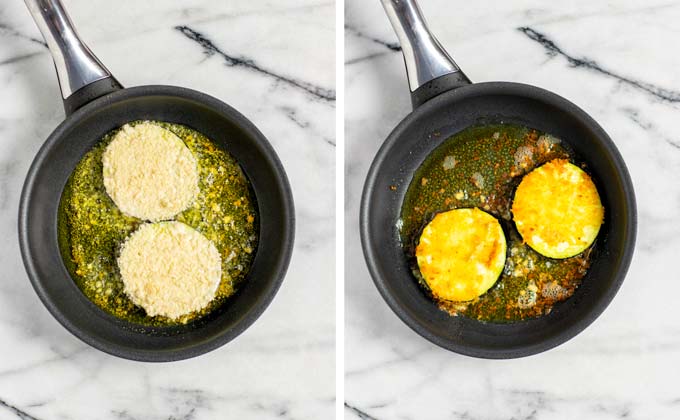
(481,167)
(92,228)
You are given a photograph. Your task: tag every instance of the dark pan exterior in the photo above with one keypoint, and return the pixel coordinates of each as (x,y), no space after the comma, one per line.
(57,159)
(413,140)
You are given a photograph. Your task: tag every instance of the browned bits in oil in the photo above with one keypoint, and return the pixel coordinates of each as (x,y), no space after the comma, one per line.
(489,163)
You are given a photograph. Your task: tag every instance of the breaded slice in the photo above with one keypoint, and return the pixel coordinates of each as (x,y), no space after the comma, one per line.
(461,254)
(169,269)
(149,172)
(557,209)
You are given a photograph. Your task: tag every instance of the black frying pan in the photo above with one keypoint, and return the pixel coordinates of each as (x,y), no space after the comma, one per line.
(95,103)
(445,102)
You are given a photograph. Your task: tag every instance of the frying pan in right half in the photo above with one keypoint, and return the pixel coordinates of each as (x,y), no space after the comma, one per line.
(445,102)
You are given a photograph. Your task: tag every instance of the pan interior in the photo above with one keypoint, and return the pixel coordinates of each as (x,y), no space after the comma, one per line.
(222,194)
(410,144)
(56,161)
(480,168)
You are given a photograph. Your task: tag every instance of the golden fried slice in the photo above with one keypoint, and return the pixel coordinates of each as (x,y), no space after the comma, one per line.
(557,209)
(461,253)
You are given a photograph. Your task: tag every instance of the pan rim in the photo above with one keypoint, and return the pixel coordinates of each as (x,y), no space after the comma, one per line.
(255,310)
(372,256)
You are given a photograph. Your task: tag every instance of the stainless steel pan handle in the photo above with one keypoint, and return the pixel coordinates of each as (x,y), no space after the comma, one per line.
(426,60)
(77,67)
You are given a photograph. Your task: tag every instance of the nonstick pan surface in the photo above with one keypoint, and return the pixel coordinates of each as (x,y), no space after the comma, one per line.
(410,144)
(447,105)
(96,108)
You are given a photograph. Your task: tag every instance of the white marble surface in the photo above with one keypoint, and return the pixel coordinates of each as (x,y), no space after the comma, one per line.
(626,364)
(283,366)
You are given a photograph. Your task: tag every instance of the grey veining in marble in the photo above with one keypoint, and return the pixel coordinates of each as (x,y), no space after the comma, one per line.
(274,62)
(617,61)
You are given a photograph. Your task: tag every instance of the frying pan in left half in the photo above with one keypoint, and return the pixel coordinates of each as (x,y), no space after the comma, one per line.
(96,103)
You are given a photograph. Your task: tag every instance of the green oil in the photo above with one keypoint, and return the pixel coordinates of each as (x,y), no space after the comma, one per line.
(92,229)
